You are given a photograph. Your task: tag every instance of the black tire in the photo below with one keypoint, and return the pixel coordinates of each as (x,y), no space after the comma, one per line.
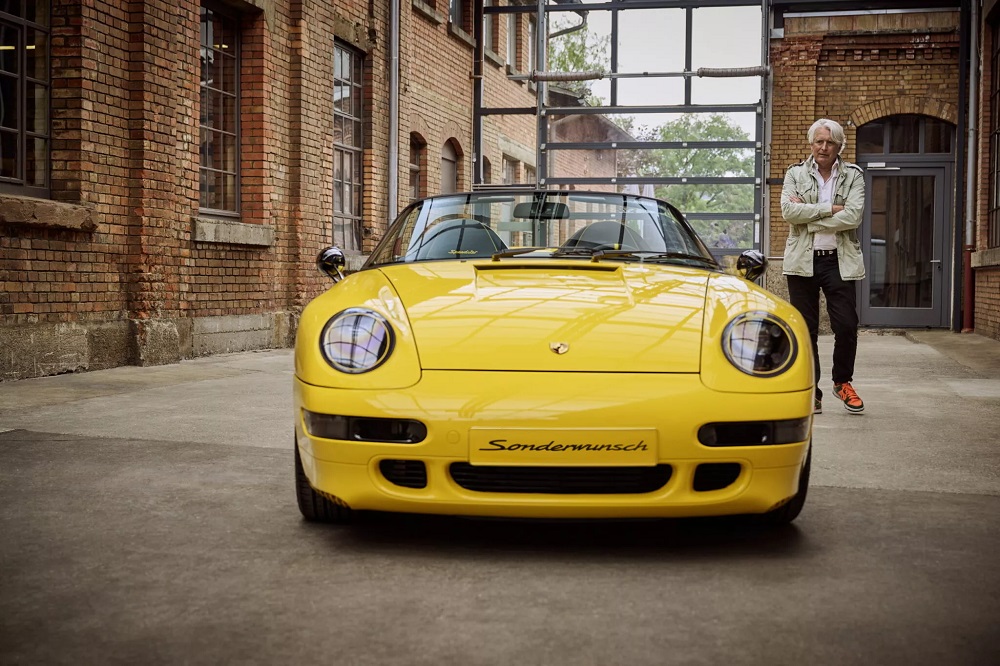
(316,508)
(789,511)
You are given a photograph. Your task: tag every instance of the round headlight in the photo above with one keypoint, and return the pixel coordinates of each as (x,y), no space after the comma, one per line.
(357,340)
(759,344)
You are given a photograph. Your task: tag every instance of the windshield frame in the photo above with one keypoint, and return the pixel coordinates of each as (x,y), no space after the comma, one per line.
(499,224)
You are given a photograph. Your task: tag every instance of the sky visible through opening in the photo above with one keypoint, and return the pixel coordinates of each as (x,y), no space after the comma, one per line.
(653,40)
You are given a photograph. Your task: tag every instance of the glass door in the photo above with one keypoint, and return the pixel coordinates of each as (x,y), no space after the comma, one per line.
(904,241)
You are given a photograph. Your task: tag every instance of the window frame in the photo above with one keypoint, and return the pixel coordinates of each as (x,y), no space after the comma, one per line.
(346,230)
(237,135)
(418,159)
(18,184)
(993,200)
(511,171)
(457,13)
(511,51)
(489,29)
(450,166)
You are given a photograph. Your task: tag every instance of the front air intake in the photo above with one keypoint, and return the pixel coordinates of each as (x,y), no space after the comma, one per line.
(405,473)
(715,476)
(561,480)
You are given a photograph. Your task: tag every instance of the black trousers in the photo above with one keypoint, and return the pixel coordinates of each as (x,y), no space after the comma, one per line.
(841,305)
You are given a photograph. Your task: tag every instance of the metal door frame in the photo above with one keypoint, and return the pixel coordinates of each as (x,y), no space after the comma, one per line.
(939,314)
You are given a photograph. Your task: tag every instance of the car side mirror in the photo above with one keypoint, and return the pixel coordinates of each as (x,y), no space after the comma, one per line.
(330,262)
(751,264)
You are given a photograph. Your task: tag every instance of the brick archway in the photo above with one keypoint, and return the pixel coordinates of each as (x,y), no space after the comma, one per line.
(891,106)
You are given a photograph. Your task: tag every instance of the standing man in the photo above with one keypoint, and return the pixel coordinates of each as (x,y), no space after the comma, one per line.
(822,200)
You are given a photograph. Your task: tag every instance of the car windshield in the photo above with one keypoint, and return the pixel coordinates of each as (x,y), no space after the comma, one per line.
(541,224)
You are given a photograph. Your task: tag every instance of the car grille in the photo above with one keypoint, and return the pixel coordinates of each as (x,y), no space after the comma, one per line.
(561,480)
(405,473)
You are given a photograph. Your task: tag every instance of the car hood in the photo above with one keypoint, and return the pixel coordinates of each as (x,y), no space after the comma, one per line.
(554,316)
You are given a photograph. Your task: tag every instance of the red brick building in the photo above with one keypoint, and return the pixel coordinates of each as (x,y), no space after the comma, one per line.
(195,165)
(168,170)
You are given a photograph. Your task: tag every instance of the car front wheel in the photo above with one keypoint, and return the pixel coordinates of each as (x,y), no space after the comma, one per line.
(315,507)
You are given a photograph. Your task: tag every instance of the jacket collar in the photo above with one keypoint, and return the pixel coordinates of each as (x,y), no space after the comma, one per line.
(838,166)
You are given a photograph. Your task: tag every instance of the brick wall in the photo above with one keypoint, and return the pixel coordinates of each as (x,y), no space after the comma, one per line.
(120,266)
(854,69)
(986,260)
(834,67)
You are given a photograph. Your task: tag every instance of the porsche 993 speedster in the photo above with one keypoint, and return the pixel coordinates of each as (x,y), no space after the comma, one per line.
(550,354)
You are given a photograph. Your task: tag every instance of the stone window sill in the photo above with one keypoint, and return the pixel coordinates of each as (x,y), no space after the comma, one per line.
(44,213)
(494,58)
(989,258)
(428,12)
(461,35)
(232,232)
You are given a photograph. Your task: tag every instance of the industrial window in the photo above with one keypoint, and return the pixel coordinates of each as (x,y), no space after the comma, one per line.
(449,168)
(418,158)
(347,147)
(993,233)
(532,50)
(487,171)
(24,98)
(489,29)
(219,123)
(510,168)
(513,28)
(460,15)
(905,134)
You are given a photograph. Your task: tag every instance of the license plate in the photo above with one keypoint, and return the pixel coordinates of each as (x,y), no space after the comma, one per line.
(583,448)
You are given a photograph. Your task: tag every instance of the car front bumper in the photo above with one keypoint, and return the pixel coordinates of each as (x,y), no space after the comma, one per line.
(655,416)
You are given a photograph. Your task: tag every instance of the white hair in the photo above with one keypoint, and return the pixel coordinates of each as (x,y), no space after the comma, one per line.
(836,132)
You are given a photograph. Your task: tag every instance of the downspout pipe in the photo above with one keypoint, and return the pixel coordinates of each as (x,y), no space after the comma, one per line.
(969,282)
(393,185)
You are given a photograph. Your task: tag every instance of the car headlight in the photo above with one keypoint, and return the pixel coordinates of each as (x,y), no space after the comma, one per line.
(759,344)
(357,340)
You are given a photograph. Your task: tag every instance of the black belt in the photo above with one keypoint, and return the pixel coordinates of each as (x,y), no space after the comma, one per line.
(824,253)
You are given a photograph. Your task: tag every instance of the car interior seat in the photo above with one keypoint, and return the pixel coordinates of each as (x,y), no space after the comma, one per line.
(605,236)
(461,238)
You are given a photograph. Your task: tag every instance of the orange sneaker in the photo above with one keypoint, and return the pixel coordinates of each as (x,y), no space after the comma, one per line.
(846,394)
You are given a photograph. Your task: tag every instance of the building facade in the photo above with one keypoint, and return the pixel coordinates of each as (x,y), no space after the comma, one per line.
(174,167)
(169,170)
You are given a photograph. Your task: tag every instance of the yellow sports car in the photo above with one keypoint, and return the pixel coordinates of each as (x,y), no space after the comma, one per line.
(550,354)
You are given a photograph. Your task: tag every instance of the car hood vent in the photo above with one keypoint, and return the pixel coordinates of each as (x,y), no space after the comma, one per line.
(568,316)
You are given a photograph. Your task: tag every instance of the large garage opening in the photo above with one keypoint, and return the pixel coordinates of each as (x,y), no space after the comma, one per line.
(650,97)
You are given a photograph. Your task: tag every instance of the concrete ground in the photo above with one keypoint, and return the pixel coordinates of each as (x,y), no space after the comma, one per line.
(147,516)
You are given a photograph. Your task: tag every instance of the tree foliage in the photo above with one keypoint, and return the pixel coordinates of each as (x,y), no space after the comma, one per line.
(584,51)
(577,51)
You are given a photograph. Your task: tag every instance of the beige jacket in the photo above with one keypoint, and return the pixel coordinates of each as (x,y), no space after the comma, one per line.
(805,219)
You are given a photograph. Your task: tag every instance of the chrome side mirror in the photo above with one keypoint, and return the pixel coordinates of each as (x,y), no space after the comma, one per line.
(330,261)
(751,265)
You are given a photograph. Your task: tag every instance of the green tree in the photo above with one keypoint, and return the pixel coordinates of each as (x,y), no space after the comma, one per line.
(583,51)
(690,162)
(577,51)
(695,162)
